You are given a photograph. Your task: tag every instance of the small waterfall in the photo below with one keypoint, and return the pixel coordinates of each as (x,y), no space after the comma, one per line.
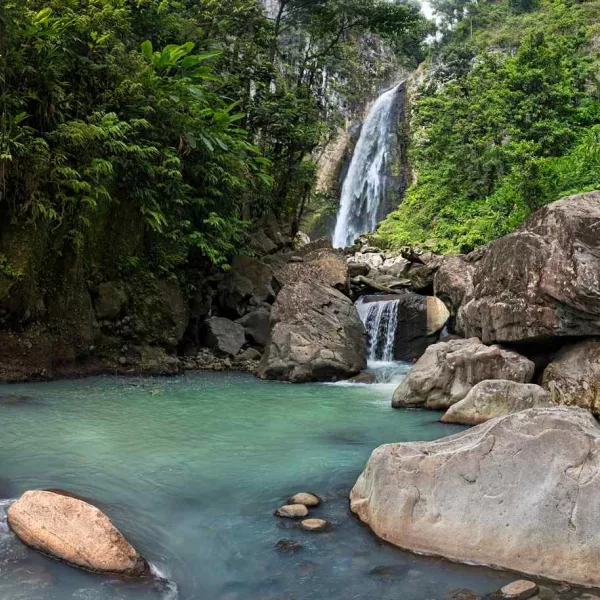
(380,319)
(362,204)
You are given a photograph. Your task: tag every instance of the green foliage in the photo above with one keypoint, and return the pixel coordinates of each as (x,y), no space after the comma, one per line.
(498,135)
(197,117)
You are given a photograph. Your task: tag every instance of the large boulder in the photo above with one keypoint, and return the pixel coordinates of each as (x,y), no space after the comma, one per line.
(325,266)
(447,371)
(519,492)
(542,281)
(453,282)
(397,266)
(74,531)
(573,376)
(259,274)
(496,398)
(222,336)
(373,259)
(257,326)
(235,291)
(301,240)
(316,335)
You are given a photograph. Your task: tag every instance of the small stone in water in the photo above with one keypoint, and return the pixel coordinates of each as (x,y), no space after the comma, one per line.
(519,590)
(314,524)
(288,546)
(465,595)
(306,499)
(292,511)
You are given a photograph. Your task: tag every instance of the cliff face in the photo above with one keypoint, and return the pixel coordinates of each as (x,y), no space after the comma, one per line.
(68,311)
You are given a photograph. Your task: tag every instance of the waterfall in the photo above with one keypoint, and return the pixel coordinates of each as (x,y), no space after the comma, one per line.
(362,205)
(380,319)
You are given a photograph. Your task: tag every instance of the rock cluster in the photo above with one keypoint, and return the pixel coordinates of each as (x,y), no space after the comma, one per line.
(447,372)
(518,491)
(297,508)
(538,287)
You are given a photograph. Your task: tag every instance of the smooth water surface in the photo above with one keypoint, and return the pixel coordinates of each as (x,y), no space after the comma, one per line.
(191,469)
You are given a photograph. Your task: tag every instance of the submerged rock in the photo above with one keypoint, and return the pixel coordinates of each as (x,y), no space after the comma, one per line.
(288,546)
(72,530)
(292,511)
(495,398)
(518,492)
(519,590)
(543,280)
(573,377)
(316,335)
(447,371)
(305,498)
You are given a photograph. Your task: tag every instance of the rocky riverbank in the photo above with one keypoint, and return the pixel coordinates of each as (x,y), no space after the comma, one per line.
(518,490)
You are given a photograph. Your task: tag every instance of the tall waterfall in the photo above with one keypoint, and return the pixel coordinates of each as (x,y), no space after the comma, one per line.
(380,319)
(362,203)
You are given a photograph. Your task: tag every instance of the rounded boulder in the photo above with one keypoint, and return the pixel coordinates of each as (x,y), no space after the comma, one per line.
(74,531)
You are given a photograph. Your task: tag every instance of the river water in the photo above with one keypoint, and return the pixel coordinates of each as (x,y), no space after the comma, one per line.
(191,469)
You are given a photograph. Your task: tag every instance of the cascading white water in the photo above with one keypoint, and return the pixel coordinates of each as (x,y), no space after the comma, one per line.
(363,192)
(380,319)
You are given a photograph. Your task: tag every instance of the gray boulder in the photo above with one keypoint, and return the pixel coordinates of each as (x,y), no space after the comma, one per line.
(257,326)
(357,269)
(542,281)
(235,291)
(447,371)
(259,274)
(316,335)
(573,376)
(496,398)
(396,266)
(453,282)
(261,243)
(325,266)
(519,492)
(222,336)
